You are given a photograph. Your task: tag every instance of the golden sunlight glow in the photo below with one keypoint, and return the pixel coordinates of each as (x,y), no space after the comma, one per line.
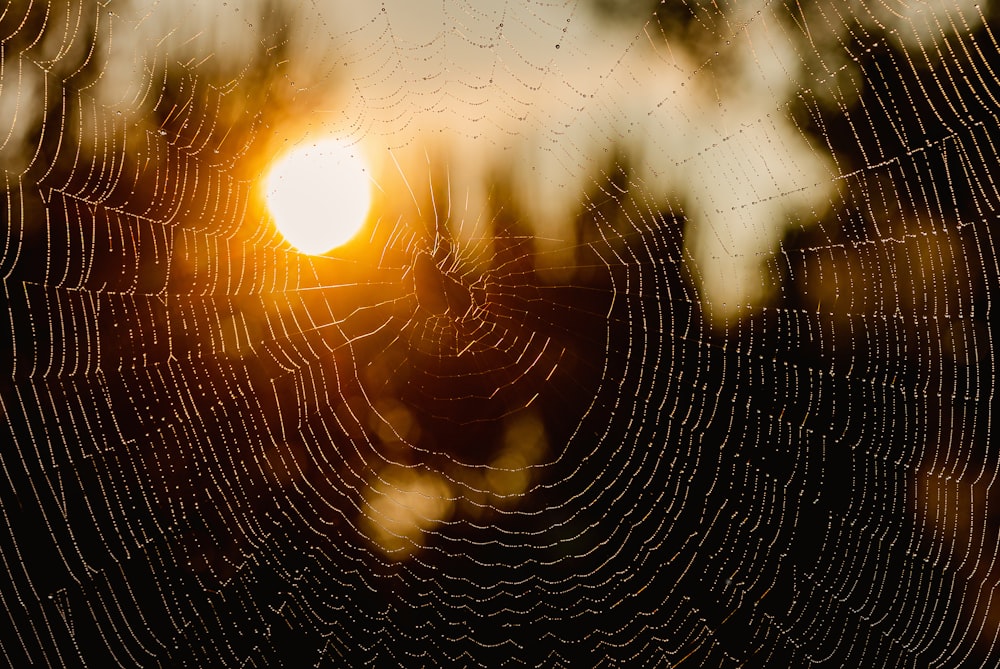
(319,195)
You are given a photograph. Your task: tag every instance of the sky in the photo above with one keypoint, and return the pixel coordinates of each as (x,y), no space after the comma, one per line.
(544,93)
(546,99)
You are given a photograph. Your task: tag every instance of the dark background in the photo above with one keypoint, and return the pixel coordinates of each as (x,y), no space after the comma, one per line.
(810,484)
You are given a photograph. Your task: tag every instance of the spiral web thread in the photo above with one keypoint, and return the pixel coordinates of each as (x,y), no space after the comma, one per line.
(668,340)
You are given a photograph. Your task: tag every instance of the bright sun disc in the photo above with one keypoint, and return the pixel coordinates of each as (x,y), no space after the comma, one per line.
(319,195)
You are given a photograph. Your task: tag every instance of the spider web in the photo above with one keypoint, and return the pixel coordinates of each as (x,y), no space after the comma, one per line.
(667,341)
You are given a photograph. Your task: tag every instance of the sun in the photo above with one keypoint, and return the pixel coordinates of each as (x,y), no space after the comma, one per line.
(319,195)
